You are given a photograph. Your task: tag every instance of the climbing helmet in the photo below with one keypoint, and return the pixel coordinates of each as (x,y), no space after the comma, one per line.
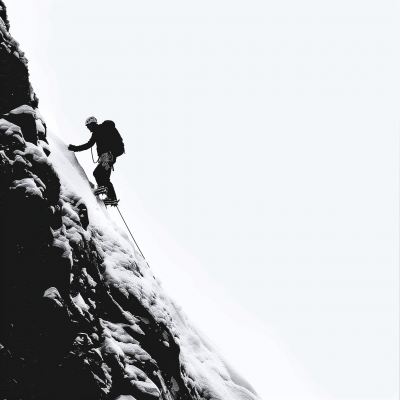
(90,120)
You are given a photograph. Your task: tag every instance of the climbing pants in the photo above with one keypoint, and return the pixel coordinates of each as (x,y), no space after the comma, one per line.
(102,176)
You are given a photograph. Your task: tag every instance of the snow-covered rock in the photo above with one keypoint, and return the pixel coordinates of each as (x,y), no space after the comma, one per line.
(82,315)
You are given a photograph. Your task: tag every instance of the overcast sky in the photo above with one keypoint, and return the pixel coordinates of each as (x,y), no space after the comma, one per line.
(261,171)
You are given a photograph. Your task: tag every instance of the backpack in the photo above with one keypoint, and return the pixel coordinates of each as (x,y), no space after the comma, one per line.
(116,144)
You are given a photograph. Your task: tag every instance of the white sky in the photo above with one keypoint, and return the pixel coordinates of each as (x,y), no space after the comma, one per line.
(261,174)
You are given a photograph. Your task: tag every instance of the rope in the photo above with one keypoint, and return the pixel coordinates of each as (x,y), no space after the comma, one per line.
(127,227)
(130,233)
(91,151)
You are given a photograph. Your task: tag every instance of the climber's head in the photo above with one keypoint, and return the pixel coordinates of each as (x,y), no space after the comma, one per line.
(91,123)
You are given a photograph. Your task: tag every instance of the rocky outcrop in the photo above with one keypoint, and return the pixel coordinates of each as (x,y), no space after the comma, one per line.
(82,316)
(67,332)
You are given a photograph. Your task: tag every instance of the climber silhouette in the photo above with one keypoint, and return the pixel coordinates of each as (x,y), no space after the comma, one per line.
(109,146)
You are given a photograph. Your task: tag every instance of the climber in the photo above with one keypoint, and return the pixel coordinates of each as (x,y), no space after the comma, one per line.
(109,146)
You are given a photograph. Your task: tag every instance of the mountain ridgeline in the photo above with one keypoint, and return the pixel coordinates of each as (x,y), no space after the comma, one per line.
(82,316)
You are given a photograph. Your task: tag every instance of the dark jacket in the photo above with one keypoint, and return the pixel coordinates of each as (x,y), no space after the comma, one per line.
(101,137)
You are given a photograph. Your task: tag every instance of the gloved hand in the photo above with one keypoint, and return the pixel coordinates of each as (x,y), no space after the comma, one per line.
(71,147)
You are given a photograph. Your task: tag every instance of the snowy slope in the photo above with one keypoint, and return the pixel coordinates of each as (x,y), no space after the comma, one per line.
(205,369)
(80,305)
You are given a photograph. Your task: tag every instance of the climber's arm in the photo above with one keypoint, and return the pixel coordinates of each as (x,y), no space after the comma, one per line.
(82,147)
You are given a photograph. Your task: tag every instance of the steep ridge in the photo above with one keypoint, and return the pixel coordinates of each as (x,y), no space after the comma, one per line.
(82,316)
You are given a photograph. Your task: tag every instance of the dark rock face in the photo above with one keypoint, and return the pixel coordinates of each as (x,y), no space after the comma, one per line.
(14,81)
(66,332)
(15,88)
(3,14)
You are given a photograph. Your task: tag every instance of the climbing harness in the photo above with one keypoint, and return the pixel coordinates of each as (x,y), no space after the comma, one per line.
(99,159)
(130,233)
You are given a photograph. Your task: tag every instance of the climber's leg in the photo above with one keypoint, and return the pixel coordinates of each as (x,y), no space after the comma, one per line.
(102,177)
